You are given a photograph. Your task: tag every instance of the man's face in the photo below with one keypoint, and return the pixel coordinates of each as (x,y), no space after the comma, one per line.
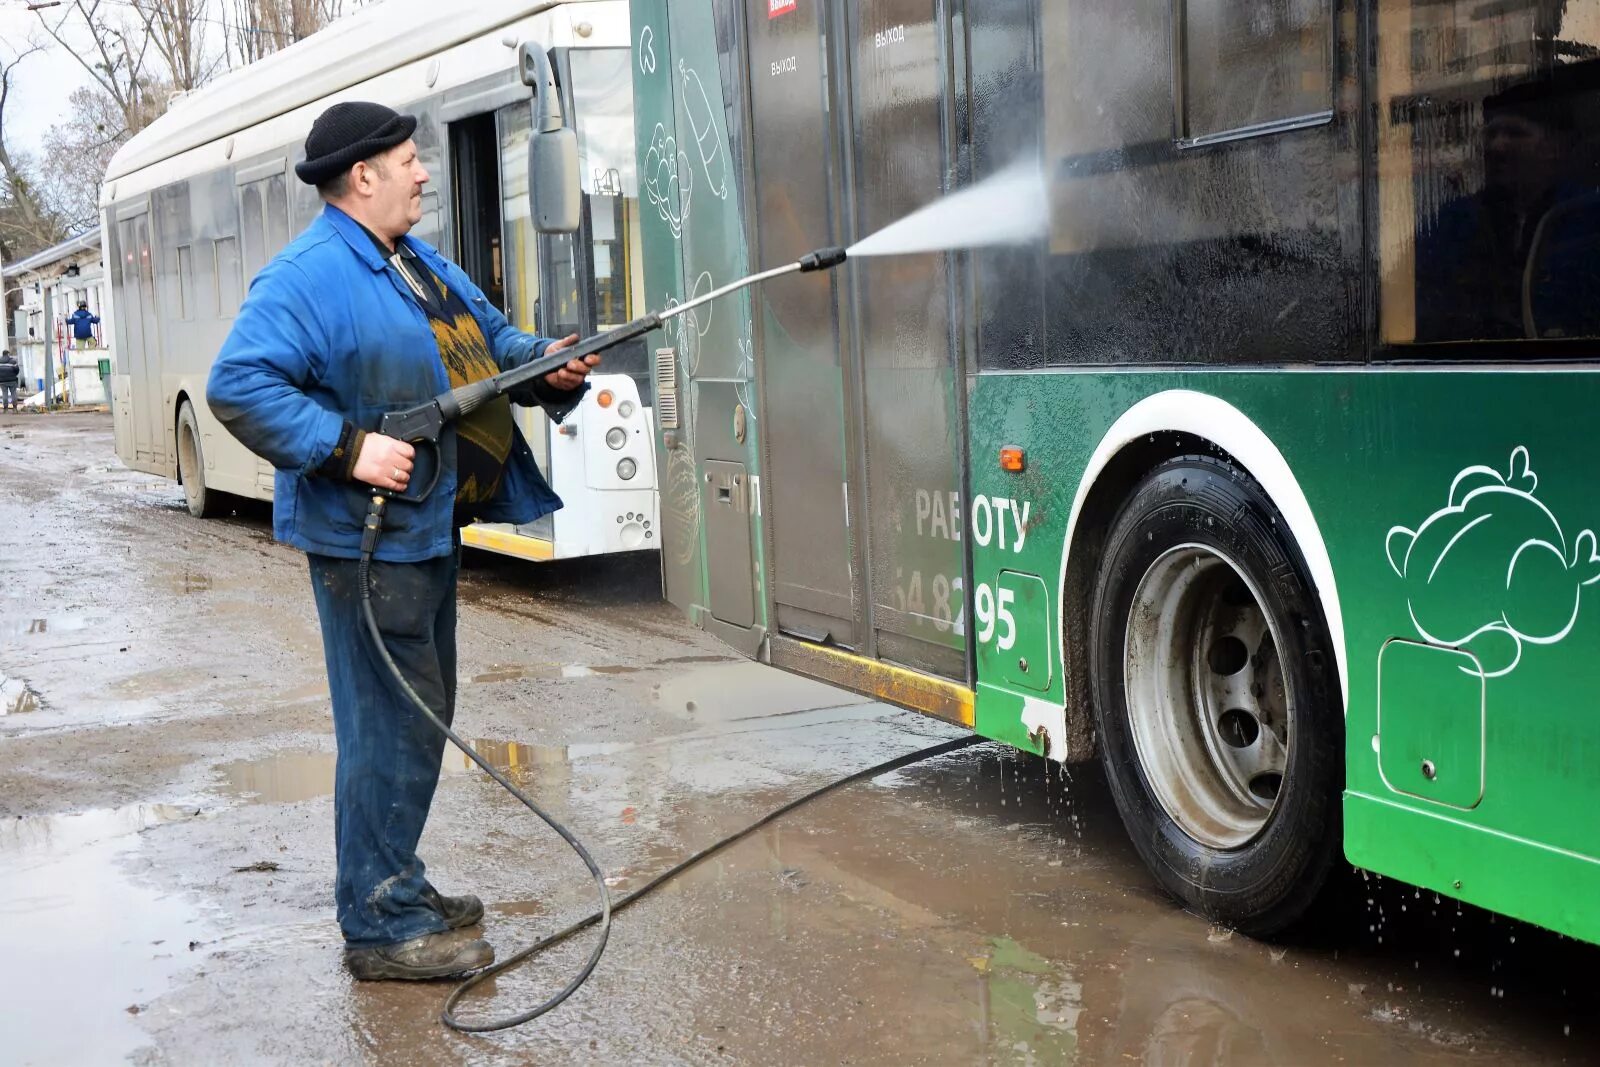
(1520,154)
(394,182)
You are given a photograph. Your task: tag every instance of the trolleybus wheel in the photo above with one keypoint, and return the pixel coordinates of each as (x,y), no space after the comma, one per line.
(203,503)
(1219,714)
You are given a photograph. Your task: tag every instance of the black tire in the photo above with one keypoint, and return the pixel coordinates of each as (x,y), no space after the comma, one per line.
(1193,516)
(204,503)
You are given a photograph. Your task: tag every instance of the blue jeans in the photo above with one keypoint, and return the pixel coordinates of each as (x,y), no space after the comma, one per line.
(8,394)
(389,754)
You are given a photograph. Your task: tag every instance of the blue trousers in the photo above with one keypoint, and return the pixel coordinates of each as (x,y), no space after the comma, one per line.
(389,754)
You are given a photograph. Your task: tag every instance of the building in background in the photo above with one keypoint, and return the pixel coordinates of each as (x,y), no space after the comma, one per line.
(66,273)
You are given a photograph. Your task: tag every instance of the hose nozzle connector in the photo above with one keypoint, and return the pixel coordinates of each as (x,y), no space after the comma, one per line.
(822,259)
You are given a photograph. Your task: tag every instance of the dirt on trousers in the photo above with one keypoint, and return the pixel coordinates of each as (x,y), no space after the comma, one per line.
(166,844)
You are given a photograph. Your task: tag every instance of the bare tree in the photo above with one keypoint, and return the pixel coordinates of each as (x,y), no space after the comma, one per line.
(79,150)
(260,27)
(26,222)
(118,47)
(177,29)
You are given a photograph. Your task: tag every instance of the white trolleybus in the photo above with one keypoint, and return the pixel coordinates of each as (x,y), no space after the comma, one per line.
(200,201)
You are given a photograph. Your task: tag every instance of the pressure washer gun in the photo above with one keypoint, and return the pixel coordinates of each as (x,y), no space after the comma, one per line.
(422,425)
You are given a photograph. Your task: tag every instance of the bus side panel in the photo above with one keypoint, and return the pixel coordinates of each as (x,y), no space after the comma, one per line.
(691,157)
(1464,479)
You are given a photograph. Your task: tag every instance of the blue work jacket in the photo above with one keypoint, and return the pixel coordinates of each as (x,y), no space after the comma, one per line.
(328,341)
(83,323)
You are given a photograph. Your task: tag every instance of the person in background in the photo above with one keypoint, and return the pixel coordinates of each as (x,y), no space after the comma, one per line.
(10,374)
(83,323)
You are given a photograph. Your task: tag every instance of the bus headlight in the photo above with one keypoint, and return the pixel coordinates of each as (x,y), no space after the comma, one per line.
(616,437)
(625,409)
(626,469)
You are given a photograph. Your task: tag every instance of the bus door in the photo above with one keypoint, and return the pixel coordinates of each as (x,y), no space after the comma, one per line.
(864,447)
(138,341)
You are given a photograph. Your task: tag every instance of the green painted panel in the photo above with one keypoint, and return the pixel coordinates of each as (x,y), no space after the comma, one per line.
(1022,610)
(1430,722)
(1451,508)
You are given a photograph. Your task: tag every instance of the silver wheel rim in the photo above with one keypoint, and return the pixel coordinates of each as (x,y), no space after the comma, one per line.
(1208,706)
(189,464)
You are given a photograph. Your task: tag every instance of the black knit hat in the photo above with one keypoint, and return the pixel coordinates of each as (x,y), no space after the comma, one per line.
(345,134)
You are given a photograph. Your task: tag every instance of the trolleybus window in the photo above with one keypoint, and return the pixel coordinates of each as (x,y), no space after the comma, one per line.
(1248,66)
(587,294)
(1489,174)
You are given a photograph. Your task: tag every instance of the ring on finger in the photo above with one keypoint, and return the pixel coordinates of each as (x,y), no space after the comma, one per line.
(397,473)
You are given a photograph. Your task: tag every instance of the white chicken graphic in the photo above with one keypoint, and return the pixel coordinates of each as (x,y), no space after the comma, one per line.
(1492,571)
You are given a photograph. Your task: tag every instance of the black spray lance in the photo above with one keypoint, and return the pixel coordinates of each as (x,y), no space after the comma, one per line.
(421,426)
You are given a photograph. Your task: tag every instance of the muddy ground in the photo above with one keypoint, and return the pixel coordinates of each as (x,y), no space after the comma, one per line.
(166,854)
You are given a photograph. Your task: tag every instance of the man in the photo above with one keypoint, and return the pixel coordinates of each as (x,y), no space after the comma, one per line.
(354,319)
(83,324)
(10,374)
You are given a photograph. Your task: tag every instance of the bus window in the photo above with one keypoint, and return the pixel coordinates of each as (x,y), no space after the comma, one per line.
(588,293)
(475,162)
(1488,145)
(602,92)
(1246,66)
(519,244)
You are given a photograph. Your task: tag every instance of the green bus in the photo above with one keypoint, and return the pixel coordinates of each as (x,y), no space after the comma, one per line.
(1264,478)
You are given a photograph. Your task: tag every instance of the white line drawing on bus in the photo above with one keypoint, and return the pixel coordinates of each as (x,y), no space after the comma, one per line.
(688,327)
(1491,571)
(668,179)
(747,376)
(647,51)
(697,105)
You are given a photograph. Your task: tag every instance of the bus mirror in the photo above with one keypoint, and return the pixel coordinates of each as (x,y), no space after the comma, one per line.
(553,193)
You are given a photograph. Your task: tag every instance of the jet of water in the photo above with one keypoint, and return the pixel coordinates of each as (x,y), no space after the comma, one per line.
(1008,208)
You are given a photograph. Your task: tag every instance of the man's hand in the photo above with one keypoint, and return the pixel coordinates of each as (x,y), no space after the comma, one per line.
(572,375)
(384,462)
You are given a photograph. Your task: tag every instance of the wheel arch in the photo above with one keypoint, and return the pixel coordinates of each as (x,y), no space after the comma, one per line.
(181,398)
(1161,427)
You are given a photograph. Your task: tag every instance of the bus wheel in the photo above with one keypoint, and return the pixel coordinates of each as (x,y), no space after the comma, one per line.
(203,503)
(1220,720)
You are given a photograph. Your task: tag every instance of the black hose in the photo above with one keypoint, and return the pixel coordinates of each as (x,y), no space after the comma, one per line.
(603,916)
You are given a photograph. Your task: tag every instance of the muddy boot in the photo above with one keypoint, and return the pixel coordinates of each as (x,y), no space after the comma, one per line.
(443,955)
(457,911)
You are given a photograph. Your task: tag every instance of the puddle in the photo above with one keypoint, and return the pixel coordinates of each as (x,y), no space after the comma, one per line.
(83,941)
(1025,1002)
(739,689)
(291,777)
(187,582)
(15,697)
(518,907)
(547,671)
(53,624)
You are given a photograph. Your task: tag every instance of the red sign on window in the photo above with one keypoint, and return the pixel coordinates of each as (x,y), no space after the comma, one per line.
(780,7)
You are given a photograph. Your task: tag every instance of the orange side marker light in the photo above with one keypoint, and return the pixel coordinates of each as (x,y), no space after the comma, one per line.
(1012,459)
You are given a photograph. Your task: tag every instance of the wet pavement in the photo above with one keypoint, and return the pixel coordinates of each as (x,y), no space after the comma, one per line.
(166,764)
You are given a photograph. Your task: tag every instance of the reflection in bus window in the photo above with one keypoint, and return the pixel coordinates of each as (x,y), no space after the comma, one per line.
(1248,65)
(1488,161)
